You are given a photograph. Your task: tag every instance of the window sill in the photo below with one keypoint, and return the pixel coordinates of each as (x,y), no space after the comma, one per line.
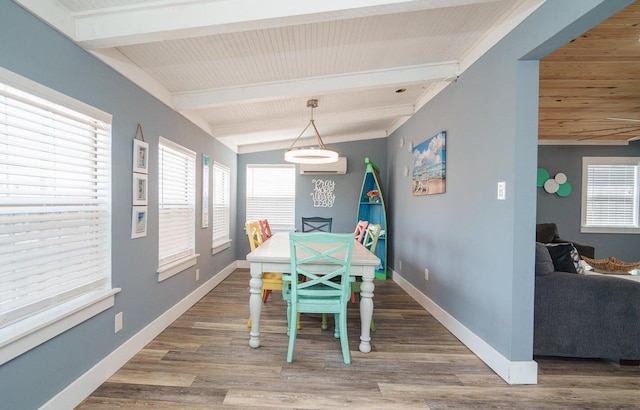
(220,246)
(600,229)
(168,270)
(26,334)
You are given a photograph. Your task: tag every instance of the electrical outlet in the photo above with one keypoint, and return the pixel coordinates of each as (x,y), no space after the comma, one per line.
(197,274)
(426,274)
(502,187)
(400,265)
(118,322)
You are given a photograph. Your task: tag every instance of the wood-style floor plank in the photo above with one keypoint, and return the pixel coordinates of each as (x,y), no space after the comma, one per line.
(203,361)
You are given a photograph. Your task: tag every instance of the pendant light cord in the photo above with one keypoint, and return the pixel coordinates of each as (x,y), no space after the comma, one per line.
(311,122)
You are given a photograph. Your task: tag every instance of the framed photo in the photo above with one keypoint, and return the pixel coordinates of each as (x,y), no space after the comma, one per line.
(140,189)
(140,156)
(139,222)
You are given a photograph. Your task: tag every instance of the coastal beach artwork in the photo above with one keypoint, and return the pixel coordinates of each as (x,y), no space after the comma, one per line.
(429,166)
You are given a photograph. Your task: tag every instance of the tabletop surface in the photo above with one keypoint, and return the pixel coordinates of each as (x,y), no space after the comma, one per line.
(276,249)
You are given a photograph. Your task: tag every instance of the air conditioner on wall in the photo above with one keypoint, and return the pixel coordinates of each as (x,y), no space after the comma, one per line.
(336,168)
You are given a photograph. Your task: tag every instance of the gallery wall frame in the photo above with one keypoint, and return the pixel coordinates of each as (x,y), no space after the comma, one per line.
(140,189)
(139,221)
(140,156)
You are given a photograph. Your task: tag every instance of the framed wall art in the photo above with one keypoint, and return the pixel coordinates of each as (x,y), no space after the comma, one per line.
(140,156)
(140,189)
(429,166)
(139,222)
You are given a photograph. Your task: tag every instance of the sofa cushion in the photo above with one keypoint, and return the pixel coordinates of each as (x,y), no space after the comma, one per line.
(562,255)
(544,263)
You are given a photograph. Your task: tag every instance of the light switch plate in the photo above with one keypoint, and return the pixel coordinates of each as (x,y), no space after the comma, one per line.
(502,187)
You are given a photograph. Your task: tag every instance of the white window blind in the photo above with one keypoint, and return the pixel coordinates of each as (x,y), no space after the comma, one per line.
(221,203)
(610,199)
(271,194)
(177,202)
(55,203)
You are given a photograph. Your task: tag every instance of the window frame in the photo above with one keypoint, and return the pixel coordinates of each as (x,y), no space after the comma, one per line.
(275,223)
(38,327)
(220,242)
(612,161)
(172,264)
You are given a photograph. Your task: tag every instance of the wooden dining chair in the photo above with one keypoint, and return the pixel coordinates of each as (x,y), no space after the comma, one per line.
(314,290)
(316,224)
(361,229)
(270,280)
(265,229)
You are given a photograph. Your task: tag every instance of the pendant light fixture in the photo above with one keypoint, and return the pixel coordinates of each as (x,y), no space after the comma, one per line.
(311,155)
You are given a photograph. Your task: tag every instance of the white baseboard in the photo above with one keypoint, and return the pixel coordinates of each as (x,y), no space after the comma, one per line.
(83,386)
(243,264)
(513,372)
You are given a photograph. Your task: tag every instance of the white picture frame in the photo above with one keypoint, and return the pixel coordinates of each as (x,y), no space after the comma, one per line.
(140,156)
(139,217)
(140,189)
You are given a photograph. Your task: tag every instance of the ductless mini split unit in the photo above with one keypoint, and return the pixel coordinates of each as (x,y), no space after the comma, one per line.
(336,168)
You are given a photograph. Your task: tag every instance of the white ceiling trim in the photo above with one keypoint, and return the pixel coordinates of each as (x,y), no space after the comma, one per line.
(315,85)
(168,20)
(511,21)
(342,117)
(285,144)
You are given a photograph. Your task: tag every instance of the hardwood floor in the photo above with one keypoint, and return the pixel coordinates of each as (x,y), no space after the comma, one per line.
(203,361)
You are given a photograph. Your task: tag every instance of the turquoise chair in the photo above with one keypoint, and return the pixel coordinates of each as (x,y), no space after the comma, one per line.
(314,291)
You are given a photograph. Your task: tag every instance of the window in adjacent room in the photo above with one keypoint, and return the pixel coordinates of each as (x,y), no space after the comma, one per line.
(610,202)
(176,208)
(271,195)
(55,214)
(221,206)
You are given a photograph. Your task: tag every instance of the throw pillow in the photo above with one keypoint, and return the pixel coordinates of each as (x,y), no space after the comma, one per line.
(575,257)
(561,257)
(544,263)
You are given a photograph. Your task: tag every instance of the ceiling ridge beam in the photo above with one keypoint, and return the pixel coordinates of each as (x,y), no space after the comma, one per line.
(342,117)
(169,20)
(315,85)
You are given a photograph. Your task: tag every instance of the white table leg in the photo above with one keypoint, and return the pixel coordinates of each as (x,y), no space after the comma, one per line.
(366,313)
(255,303)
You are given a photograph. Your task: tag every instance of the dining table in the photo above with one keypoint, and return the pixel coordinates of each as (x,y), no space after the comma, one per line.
(274,255)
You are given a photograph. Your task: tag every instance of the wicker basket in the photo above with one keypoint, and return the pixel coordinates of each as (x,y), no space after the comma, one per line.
(611,264)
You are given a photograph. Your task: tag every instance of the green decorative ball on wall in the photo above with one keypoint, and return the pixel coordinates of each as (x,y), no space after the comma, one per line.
(564,189)
(543,176)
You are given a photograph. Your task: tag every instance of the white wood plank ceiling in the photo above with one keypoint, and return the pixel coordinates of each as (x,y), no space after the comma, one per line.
(243,70)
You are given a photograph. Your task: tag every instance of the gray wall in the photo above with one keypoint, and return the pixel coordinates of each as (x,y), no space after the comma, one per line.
(347,190)
(479,250)
(30,48)
(565,212)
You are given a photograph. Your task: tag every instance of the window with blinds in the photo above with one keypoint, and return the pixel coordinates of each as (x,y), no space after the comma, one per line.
(176,202)
(221,204)
(610,194)
(271,194)
(55,203)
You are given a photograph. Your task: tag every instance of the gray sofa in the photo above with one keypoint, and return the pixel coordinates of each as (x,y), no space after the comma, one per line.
(586,316)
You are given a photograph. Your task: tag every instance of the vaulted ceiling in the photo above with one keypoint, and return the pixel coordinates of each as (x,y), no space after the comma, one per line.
(243,70)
